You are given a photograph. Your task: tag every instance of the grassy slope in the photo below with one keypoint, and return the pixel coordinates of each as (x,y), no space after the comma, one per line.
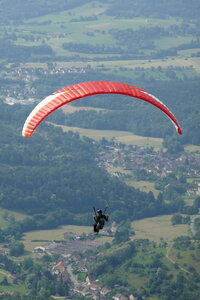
(6,216)
(157,227)
(175,260)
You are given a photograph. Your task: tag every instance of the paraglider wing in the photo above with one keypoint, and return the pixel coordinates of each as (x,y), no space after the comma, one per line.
(84,89)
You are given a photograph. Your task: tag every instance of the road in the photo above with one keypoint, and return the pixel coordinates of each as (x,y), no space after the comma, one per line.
(173,261)
(72,276)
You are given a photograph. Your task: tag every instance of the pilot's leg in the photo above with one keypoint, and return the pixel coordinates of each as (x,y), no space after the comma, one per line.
(95,228)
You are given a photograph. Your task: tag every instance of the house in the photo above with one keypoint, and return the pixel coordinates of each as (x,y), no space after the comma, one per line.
(90,279)
(113,227)
(80,289)
(82,268)
(198,189)
(119,297)
(12,276)
(39,250)
(91,259)
(69,235)
(4,251)
(13,294)
(94,287)
(59,268)
(104,291)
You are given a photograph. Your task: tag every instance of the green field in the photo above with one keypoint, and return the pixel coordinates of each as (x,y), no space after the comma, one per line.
(20,288)
(41,236)
(114,65)
(124,137)
(145,186)
(157,228)
(71,24)
(69,109)
(173,41)
(7,216)
(192,148)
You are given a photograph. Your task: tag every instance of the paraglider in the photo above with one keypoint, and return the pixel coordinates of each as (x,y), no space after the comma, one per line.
(84,89)
(100,218)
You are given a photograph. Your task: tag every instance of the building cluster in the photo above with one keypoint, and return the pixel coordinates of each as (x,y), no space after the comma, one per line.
(18,82)
(116,158)
(71,262)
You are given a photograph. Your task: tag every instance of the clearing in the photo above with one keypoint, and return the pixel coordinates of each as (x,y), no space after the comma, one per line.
(158,228)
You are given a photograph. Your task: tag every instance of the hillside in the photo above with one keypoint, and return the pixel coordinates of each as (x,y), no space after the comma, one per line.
(56,173)
(147,270)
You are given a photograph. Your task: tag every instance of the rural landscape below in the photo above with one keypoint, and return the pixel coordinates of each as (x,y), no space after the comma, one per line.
(100,150)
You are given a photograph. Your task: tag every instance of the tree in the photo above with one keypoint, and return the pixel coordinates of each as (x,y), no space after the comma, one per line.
(17,249)
(123,233)
(4,281)
(176,219)
(27,263)
(182,243)
(197,202)
(173,145)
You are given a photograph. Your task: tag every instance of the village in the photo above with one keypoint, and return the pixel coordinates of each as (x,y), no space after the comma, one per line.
(19,88)
(71,262)
(124,161)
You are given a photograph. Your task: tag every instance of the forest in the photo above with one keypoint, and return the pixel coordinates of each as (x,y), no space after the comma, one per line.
(14,53)
(20,10)
(155,9)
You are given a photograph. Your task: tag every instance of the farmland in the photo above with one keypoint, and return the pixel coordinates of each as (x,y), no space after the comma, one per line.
(90,25)
(120,136)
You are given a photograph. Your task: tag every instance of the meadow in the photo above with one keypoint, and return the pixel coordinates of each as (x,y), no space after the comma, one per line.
(42,237)
(124,137)
(159,228)
(145,186)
